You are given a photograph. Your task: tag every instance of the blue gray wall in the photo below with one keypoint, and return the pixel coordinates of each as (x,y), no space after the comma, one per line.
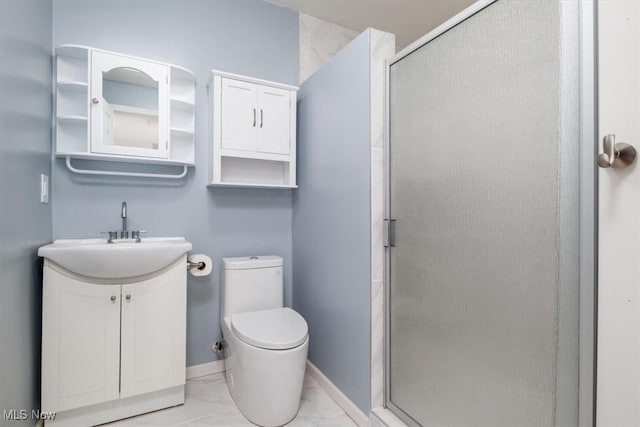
(25,223)
(331,219)
(250,37)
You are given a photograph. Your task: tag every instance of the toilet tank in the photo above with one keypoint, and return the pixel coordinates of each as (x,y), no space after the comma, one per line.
(251,284)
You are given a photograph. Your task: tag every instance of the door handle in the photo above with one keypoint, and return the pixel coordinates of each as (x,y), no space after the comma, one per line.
(261,117)
(617,156)
(254,118)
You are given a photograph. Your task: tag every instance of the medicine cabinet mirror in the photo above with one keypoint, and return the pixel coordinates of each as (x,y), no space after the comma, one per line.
(128,106)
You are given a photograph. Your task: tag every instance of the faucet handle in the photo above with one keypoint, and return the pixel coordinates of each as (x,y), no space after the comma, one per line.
(135,234)
(113,235)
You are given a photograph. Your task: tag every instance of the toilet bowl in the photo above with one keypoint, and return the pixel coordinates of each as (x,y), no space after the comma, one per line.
(266,343)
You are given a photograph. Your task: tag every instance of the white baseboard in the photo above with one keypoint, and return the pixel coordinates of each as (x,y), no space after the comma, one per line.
(341,399)
(205,369)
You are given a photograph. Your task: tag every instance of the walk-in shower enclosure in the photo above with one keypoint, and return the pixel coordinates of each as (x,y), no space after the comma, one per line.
(483,156)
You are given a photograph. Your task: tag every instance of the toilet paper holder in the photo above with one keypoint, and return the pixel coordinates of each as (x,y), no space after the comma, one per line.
(198,265)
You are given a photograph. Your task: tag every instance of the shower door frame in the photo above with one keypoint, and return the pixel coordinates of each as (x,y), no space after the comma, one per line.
(588,205)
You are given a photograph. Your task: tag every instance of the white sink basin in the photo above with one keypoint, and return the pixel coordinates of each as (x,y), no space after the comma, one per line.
(97,258)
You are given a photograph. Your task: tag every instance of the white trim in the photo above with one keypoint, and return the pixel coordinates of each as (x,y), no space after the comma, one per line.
(385,417)
(336,394)
(588,211)
(441,29)
(78,51)
(119,409)
(205,369)
(248,79)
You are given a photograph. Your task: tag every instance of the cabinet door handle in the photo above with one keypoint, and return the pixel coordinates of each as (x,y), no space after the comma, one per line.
(261,117)
(95,100)
(254,117)
(128,297)
(113,297)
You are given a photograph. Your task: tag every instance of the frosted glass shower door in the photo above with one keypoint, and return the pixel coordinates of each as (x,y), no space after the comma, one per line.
(483,172)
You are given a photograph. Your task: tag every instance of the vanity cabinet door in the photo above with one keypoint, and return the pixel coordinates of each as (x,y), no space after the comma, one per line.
(239,115)
(154,333)
(81,342)
(129,106)
(274,120)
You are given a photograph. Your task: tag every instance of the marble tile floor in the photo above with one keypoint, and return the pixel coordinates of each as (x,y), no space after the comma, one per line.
(208,403)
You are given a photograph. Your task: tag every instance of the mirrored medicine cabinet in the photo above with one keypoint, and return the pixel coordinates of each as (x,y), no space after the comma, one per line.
(116,107)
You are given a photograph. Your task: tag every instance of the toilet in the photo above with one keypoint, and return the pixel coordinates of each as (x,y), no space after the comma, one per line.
(265,343)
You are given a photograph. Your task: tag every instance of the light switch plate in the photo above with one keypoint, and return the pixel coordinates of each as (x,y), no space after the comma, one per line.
(44,188)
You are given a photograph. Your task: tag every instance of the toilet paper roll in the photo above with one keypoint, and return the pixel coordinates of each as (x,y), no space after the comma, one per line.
(204,270)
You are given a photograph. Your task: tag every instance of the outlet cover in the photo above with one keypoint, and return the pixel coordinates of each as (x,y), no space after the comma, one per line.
(44,188)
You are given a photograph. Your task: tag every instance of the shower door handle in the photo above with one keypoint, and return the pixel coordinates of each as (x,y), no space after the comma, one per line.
(614,155)
(389,233)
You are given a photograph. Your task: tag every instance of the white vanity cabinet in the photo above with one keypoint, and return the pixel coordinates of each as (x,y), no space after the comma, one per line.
(116,107)
(253,132)
(116,345)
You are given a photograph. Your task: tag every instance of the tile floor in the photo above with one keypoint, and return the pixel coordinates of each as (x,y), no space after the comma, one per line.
(208,403)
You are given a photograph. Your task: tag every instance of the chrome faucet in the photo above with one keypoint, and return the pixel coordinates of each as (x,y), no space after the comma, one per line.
(124,234)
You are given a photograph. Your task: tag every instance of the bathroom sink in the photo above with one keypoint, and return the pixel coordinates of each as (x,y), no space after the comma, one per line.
(97,258)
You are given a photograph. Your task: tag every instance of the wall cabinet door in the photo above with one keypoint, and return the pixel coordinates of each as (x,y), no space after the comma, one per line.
(129,106)
(81,342)
(274,121)
(239,115)
(153,333)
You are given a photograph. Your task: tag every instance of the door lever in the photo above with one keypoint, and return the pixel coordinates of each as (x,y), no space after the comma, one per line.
(617,156)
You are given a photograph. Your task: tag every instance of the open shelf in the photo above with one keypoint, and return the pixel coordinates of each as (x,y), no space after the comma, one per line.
(73,86)
(181,103)
(72,119)
(180,131)
(244,185)
(256,173)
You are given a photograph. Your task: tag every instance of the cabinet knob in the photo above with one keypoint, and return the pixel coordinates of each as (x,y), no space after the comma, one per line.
(95,100)
(113,297)
(128,297)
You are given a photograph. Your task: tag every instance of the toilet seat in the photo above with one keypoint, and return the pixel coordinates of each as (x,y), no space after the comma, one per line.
(274,329)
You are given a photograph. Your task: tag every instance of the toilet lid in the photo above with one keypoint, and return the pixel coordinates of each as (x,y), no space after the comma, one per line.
(275,329)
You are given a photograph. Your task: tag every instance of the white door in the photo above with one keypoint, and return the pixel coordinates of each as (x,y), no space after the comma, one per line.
(274,120)
(618,370)
(81,342)
(154,333)
(239,115)
(129,106)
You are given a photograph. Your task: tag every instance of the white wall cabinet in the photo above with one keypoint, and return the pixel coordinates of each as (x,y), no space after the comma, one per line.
(117,346)
(253,132)
(116,107)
